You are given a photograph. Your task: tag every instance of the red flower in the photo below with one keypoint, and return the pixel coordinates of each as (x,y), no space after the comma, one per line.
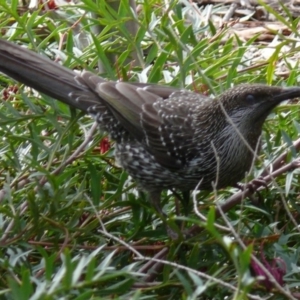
(52,4)
(9,91)
(104,145)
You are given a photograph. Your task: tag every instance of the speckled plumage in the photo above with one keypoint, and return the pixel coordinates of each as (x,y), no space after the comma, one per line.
(165,137)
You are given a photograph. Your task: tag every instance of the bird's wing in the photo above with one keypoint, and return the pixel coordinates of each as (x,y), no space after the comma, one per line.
(162,118)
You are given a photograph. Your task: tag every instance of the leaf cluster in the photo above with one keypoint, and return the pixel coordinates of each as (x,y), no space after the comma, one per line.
(73,225)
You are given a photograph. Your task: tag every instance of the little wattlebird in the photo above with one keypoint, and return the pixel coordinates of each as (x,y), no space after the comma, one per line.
(165,138)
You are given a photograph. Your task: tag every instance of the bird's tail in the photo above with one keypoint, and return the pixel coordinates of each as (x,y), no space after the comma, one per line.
(42,74)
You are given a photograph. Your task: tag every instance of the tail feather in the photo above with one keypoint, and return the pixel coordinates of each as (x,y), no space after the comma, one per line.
(44,75)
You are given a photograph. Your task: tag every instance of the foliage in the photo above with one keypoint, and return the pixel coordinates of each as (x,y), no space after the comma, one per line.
(73,225)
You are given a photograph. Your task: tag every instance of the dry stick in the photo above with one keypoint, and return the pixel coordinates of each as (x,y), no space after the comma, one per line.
(230,12)
(238,197)
(139,285)
(117,247)
(248,3)
(280,161)
(154,266)
(203,218)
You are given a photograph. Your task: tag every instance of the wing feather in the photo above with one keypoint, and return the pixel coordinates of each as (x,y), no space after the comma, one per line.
(162,118)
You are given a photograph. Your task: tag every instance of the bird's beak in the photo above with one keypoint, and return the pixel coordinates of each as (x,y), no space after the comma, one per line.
(287,93)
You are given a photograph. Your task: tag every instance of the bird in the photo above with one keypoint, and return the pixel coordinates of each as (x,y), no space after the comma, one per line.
(165,137)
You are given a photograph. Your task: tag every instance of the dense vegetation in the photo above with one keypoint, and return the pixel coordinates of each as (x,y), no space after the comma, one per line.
(74,226)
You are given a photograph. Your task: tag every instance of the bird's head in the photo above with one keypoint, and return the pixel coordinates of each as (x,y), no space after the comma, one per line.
(249,105)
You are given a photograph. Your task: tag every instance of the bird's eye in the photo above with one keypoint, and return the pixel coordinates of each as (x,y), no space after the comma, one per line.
(250,99)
